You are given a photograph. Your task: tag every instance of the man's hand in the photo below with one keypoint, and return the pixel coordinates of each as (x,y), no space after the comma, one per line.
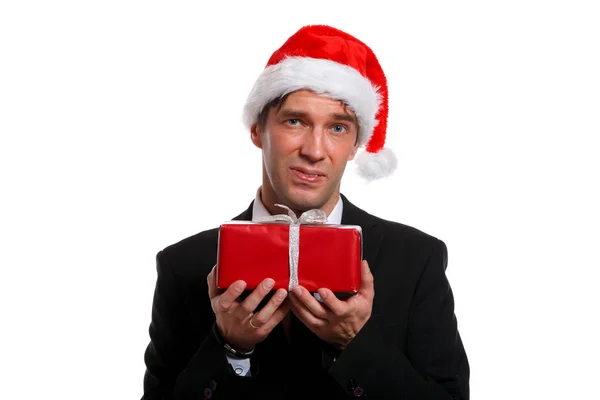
(240,327)
(335,321)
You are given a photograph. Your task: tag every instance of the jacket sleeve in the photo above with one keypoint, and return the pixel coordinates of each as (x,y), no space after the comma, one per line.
(433,365)
(170,371)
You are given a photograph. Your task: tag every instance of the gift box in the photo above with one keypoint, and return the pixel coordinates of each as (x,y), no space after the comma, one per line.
(311,255)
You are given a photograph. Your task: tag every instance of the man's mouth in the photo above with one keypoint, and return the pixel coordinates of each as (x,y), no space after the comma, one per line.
(308,175)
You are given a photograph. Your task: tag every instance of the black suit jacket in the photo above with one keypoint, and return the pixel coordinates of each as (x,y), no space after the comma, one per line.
(410,348)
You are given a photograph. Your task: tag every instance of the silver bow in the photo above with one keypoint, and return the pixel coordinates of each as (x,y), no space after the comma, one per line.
(314,216)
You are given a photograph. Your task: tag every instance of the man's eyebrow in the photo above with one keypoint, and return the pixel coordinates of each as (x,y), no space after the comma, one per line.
(291,113)
(343,117)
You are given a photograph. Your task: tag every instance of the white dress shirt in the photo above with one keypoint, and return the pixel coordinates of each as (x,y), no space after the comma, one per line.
(241,366)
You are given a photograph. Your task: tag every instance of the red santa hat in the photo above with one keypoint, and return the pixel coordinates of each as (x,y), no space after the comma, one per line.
(329,61)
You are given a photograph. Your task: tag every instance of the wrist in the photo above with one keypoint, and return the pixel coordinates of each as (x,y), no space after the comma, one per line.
(236,352)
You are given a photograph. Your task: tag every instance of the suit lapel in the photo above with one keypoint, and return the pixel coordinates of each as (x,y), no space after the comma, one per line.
(371,232)
(246,215)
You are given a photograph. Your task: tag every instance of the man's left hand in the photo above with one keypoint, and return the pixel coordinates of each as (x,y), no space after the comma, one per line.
(335,321)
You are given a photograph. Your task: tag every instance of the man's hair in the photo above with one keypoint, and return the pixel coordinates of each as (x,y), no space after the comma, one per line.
(275,103)
(280,101)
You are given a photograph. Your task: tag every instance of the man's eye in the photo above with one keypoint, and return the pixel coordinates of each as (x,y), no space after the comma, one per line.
(339,128)
(293,122)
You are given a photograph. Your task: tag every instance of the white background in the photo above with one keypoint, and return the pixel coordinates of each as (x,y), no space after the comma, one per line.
(121,134)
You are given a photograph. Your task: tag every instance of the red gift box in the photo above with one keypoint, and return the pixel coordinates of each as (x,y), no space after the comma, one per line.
(329,256)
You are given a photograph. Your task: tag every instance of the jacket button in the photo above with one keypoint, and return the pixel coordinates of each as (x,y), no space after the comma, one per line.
(358,391)
(352,384)
(207,393)
(212,385)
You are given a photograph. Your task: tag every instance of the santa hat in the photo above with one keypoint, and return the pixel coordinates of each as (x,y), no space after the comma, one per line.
(328,61)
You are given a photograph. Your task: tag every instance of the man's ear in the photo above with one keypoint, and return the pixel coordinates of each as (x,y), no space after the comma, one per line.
(255,136)
(353,154)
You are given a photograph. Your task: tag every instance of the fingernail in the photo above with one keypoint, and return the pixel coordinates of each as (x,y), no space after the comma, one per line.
(269,283)
(322,293)
(298,291)
(281,294)
(240,285)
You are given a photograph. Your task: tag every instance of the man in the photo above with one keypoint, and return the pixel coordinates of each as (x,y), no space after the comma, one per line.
(321,97)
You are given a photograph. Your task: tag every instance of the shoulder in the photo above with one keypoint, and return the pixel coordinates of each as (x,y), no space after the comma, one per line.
(394,232)
(190,245)
(191,257)
(400,244)
(411,244)
(404,252)
(397,231)
(195,256)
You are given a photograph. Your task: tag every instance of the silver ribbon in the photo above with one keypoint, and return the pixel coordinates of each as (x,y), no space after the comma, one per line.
(309,217)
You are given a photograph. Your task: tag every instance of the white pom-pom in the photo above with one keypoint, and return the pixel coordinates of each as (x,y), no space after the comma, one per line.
(373,166)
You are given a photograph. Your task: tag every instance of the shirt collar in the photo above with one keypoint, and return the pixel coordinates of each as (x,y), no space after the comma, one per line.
(259,210)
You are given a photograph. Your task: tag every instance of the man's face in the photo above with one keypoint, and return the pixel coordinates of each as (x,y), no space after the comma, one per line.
(306,144)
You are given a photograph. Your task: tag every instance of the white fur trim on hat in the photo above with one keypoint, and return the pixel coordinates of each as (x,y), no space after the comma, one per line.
(373,166)
(322,76)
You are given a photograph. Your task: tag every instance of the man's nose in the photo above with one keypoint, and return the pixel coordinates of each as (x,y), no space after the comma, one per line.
(313,145)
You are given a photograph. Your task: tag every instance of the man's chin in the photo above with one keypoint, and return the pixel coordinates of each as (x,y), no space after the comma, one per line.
(305,201)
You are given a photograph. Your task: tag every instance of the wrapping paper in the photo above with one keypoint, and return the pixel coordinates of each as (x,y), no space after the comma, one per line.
(292,251)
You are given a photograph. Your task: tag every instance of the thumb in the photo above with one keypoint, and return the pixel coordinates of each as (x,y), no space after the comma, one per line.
(367,287)
(212,283)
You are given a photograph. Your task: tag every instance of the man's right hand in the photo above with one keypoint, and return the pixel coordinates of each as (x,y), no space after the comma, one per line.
(240,327)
